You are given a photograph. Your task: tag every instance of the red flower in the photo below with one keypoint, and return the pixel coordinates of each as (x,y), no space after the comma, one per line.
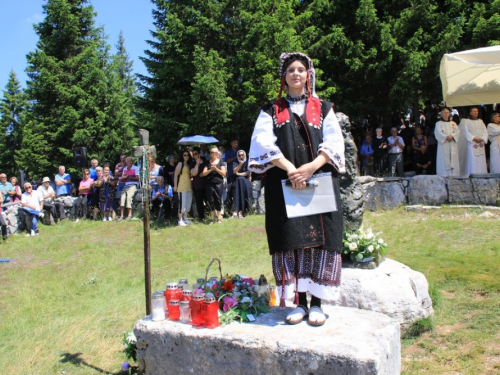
(228,286)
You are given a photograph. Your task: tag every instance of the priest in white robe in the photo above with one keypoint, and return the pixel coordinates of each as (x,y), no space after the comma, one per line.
(447,135)
(494,135)
(475,134)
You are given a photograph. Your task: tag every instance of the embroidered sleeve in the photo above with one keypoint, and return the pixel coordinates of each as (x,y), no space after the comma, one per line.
(333,142)
(263,148)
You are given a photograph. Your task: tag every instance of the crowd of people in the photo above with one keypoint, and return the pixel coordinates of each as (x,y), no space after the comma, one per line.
(441,142)
(215,179)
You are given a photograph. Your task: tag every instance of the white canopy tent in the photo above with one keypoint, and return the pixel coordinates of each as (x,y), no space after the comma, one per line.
(471,77)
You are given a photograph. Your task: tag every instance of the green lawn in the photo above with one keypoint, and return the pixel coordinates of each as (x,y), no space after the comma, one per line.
(68,295)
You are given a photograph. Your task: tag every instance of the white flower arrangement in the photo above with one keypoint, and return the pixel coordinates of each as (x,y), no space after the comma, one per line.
(362,244)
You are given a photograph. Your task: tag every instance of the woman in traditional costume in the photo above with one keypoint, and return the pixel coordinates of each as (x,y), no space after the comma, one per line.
(494,136)
(475,137)
(295,137)
(447,135)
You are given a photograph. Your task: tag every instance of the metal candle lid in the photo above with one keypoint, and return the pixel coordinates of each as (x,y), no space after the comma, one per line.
(183,281)
(199,297)
(184,303)
(200,281)
(187,292)
(209,298)
(172,286)
(158,295)
(173,302)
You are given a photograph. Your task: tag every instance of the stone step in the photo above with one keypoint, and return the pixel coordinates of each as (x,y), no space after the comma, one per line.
(351,342)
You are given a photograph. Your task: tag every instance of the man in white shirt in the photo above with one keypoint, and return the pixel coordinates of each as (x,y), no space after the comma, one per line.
(396,147)
(32,204)
(47,194)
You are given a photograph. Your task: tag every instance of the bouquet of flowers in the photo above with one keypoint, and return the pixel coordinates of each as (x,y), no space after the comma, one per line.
(239,297)
(362,244)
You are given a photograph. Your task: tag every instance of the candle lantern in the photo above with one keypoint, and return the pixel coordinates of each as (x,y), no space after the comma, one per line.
(158,306)
(187,295)
(174,312)
(183,284)
(172,292)
(162,293)
(200,282)
(196,306)
(211,311)
(185,312)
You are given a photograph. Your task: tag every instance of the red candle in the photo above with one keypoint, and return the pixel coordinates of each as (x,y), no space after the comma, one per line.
(174,312)
(187,295)
(211,311)
(196,306)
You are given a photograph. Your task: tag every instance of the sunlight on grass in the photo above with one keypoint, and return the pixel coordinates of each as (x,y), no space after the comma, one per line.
(68,295)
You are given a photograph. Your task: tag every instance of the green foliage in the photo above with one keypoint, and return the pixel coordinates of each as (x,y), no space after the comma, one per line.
(12,109)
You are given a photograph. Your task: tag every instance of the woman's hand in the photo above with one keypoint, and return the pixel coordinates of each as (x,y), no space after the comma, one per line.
(299,176)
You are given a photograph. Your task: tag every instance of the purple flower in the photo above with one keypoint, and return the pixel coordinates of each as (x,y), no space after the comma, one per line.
(229,302)
(249,281)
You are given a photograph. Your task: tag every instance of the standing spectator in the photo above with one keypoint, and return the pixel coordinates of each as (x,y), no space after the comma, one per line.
(49,204)
(475,134)
(6,188)
(155,171)
(63,182)
(241,187)
(447,135)
(119,171)
(183,188)
(396,147)
(85,190)
(96,193)
(204,153)
(494,135)
(418,140)
(215,171)
(31,202)
(130,178)
(229,157)
(94,163)
(107,187)
(380,152)
(17,189)
(367,152)
(199,182)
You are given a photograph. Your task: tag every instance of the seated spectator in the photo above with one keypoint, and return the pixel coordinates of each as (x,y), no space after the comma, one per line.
(63,182)
(49,204)
(85,190)
(418,140)
(130,177)
(6,188)
(423,161)
(241,188)
(160,198)
(366,152)
(17,189)
(95,201)
(183,187)
(199,182)
(107,187)
(3,224)
(31,205)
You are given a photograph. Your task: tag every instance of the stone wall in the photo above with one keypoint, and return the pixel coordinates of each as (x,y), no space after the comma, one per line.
(391,192)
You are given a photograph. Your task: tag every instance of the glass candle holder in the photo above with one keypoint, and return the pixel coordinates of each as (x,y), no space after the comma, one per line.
(183,284)
(158,307)
(185,312)
(196,305)
(174,312)
(172,292)
(211,311)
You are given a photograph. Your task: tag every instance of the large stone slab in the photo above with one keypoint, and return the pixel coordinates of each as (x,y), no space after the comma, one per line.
(384,195)
(427,189)
(459,190)
(485,190)
(392,288)
(351,342)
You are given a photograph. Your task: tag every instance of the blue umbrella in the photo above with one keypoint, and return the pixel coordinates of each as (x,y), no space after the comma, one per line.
(197,140)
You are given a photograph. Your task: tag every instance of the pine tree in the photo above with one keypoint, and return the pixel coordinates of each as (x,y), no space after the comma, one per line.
(67,85)
(12,108)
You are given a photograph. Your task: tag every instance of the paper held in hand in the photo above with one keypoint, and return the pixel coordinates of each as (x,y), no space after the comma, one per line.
(317,198)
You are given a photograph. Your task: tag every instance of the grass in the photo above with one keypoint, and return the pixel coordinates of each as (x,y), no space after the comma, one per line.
(68,295)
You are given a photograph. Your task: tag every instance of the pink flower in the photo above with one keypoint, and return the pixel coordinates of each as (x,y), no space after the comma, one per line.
(229,302)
